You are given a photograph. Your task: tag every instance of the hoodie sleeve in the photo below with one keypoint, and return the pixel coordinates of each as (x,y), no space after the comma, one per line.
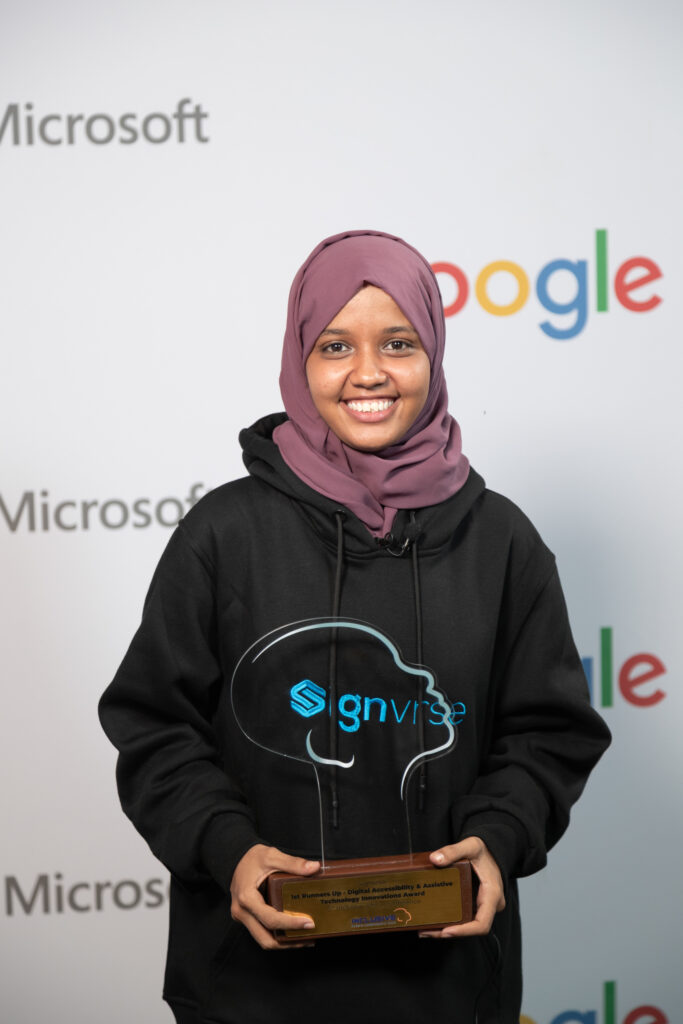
(544,738)
(158,712)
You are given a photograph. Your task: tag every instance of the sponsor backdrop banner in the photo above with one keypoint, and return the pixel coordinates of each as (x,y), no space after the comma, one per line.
(164,170)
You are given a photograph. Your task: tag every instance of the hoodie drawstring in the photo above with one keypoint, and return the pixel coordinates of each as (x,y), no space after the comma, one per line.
(332,671)
(397,549)
(422,778)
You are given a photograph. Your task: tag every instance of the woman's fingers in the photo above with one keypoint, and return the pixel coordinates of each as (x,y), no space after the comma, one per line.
(265,937)
(248,905)
(252,902)
(490,898)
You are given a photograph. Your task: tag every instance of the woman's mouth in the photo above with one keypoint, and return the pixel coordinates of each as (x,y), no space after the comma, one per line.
(369,409)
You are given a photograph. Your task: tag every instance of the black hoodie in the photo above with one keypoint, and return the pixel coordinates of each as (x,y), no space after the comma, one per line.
(466,588)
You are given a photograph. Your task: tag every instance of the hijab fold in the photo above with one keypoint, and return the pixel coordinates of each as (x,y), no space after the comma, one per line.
(426,465)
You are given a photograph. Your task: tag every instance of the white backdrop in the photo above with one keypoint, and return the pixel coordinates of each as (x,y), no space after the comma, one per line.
(143,290)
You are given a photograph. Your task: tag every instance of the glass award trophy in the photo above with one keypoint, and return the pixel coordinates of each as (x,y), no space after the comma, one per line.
(345,724)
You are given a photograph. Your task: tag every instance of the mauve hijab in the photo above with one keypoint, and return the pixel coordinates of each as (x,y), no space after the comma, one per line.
(427,465)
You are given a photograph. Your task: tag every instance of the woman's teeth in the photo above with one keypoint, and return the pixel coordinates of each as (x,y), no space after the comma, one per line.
(375,405)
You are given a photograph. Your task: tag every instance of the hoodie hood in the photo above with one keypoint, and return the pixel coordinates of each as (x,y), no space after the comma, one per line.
(437,523)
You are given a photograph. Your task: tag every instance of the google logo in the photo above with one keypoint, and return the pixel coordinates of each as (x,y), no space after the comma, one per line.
(630,277)
(645,1014)
(633,676)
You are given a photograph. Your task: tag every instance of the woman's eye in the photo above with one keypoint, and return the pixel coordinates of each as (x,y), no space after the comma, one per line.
(334,348)
(399,345)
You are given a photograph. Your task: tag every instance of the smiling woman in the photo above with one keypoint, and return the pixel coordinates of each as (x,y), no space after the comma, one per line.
(368,373)
(360,514)
(382,294)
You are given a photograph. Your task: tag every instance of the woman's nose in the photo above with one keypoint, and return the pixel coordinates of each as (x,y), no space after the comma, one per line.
(367,370)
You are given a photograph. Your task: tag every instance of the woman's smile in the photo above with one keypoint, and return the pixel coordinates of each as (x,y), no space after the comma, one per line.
(366,408)
(368,373)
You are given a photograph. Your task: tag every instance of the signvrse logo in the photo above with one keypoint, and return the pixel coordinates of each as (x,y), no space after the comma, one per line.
(632,275)
(308,699)
(24,127)
(274,681)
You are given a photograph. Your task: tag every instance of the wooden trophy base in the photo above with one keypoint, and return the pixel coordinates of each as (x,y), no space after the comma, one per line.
(374,894)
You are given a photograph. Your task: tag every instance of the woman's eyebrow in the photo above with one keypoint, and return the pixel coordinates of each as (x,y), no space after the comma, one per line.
(402,329)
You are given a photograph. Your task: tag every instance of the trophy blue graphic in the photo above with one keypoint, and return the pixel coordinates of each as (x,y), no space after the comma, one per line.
(347,723)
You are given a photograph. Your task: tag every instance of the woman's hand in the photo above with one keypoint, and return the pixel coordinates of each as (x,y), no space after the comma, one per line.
(248,905)
(490,899)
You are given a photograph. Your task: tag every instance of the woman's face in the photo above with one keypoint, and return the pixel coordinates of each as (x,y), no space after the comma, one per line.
(368,373)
